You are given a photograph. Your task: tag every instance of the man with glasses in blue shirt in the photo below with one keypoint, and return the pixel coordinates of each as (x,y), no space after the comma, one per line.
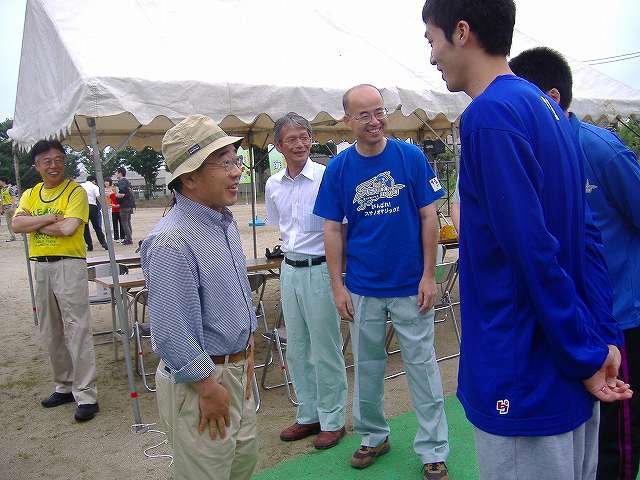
(202,316)
(386,190)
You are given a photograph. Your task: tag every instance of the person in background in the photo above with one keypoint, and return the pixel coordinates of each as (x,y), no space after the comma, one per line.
(127,204)
(114,206)
(612,188)
(7,205)
(53,213)
(93,197)
(387,191)
(202,314)
(539,344)
(314,342)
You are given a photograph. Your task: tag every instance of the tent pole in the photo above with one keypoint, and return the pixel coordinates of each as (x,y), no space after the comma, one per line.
(121,310)
(25,241)
(252,168)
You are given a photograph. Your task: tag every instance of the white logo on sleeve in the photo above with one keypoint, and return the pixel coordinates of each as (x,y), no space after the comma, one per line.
(435,184)
(381,186)
(588,188)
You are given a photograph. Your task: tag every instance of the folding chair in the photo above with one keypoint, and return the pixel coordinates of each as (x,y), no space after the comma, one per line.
(103,296)
(258,282)
(445,280)
(141,330)
(278,341)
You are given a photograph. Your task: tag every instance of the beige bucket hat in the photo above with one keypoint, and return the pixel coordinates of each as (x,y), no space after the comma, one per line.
(187,145)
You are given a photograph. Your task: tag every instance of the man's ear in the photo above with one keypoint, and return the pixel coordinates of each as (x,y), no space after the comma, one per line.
(278,147)
(555,94)
(461,33)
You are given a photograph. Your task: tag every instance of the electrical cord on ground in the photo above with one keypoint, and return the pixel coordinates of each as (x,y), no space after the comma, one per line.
(145,428)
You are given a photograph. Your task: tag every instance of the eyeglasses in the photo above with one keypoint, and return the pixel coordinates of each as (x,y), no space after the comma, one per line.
(366,117)
(51,161)
(228,164)
(291,142)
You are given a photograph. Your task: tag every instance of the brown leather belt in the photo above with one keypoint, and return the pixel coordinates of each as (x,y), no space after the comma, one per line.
(234,357)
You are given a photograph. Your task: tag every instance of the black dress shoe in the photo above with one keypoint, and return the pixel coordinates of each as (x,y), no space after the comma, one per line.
(56,399)
(86,412)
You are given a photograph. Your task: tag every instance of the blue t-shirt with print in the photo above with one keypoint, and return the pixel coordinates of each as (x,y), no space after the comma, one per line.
(380,196)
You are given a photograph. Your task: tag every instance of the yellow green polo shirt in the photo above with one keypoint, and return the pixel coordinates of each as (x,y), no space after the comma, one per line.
(68,200)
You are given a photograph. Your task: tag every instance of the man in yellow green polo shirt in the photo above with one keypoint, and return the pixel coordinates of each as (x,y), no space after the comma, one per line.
(7,204)
(54,213)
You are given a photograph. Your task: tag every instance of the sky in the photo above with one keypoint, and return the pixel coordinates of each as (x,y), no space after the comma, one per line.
(580,29)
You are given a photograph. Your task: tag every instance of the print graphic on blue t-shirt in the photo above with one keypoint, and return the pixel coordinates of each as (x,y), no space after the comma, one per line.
(381,186)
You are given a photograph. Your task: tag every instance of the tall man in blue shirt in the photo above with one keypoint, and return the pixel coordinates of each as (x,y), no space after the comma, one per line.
(612,189)
(314,343)
(386,190)
(202,317)
(539,342)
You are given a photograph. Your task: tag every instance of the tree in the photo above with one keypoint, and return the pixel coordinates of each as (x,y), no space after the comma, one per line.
(630,134)
(146,162)
(110,162)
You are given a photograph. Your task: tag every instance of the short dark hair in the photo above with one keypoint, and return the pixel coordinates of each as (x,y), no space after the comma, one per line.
(91,178)
(345,97)
(108,180)
(546,68)
(122,171)
(42,146)
(4,179)
(492,21)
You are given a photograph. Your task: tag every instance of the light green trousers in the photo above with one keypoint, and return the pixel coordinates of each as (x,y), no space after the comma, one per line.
(314,344)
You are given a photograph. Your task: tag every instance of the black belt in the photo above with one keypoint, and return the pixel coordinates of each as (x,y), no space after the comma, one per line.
(305,263)
(50,258)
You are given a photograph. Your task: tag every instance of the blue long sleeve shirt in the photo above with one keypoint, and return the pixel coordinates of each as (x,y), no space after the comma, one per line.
(199,296)
(613,192)
(530,333)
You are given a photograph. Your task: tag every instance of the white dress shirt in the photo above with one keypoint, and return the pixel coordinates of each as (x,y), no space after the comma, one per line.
(290,203)
(92,192)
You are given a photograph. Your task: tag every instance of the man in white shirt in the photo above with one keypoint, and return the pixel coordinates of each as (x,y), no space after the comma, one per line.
(314,341)
(93,194)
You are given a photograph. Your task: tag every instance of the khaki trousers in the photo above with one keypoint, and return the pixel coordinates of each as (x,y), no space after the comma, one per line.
(62,305)
(195,455)
(8,215)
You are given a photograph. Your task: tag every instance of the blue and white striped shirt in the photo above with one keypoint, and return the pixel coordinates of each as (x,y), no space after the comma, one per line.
(199,295)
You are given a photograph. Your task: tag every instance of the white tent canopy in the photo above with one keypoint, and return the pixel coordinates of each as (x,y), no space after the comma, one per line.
(242,62)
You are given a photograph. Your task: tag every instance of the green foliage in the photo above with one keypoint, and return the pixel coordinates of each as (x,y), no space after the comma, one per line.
(329,149)
(110,162)
(146,162)
(630,134)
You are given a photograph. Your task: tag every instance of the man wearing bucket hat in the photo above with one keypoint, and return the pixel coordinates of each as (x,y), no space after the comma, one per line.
(202,318)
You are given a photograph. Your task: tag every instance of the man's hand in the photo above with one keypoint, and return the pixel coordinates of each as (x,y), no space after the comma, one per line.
(250,367)
(604,384)
(343,302)
(214,407)
(426,293)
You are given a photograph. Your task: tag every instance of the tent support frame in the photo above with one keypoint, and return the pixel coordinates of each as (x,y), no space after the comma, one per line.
(120,307)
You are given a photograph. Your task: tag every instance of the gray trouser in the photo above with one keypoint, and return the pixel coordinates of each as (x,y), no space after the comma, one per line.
(125,223)
(415,332)
(568,456)
(8,215)
(62,303)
